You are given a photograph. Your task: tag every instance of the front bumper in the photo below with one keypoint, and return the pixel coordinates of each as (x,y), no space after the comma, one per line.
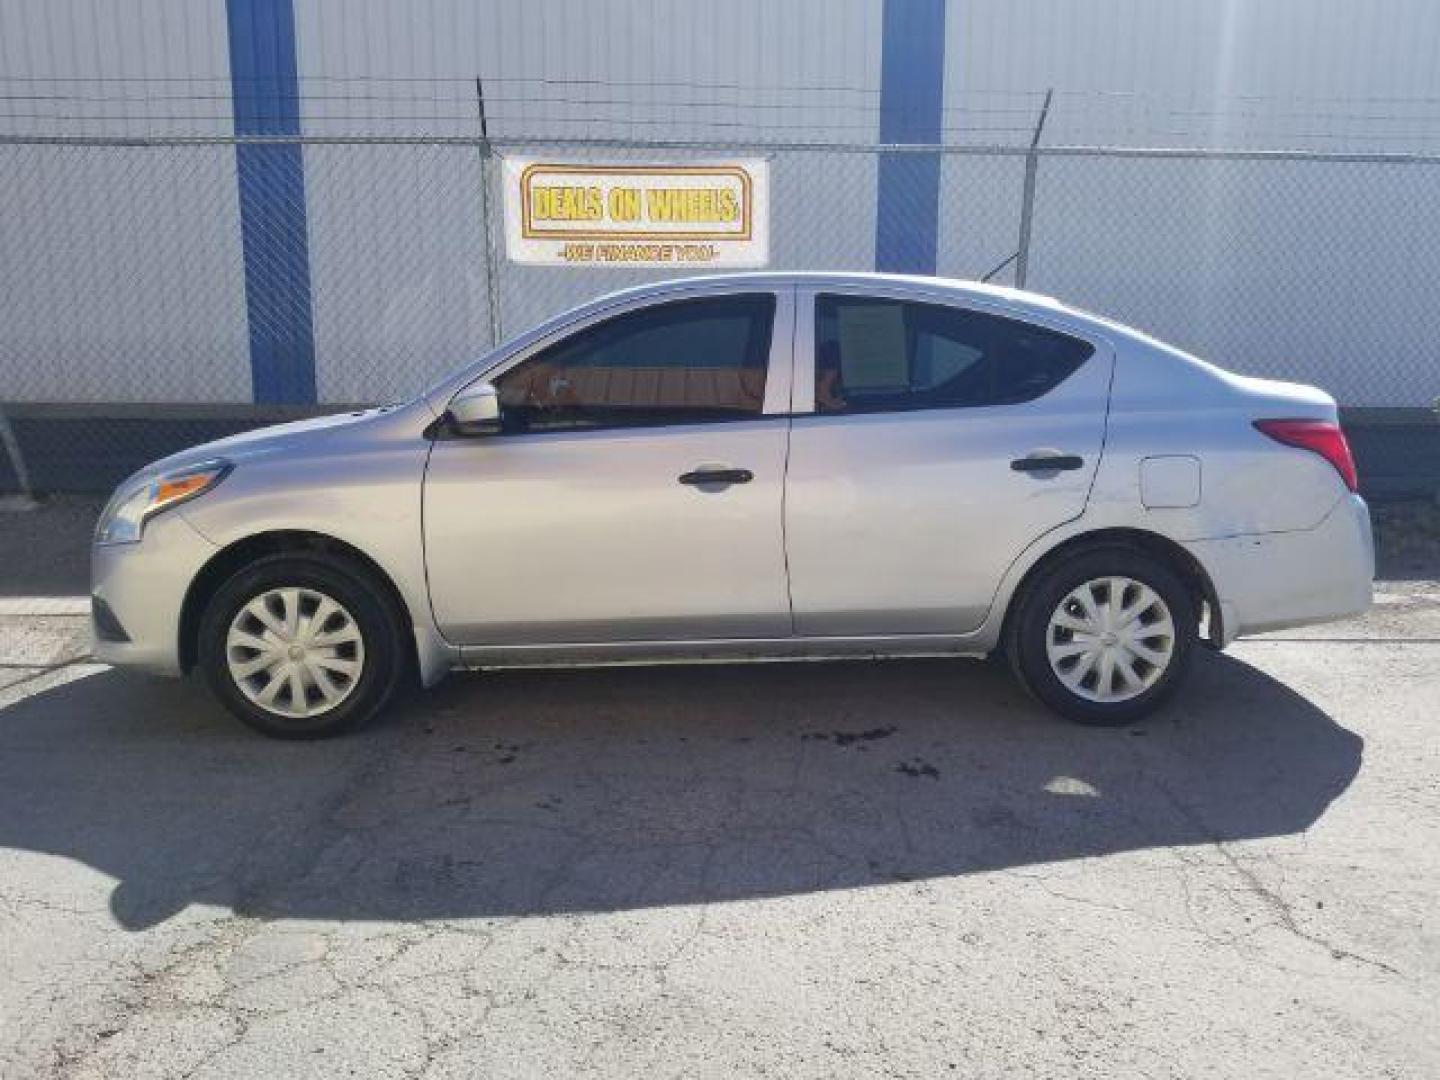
(143,586)
(1274,581)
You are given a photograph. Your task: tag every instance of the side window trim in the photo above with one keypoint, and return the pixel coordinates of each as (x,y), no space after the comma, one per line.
(802,394)
(806,301)
(780,360)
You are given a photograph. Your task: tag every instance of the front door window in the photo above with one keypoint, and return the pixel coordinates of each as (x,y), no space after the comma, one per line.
(686,362)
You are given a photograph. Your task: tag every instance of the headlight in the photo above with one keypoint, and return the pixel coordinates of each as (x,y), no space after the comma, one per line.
(124,517)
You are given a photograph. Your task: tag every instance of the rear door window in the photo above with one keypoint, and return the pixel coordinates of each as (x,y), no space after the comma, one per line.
(875,354)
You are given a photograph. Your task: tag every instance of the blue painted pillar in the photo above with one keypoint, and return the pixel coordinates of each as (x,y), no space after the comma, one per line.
(912,79)
(266,93)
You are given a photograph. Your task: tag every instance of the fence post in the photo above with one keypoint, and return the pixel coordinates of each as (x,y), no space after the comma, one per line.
(492,288)
(1027,199)
(17,463)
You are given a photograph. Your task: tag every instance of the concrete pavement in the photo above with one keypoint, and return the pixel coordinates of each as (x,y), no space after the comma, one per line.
(813,870)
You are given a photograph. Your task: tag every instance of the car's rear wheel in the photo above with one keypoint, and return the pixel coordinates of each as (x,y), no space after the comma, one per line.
(1104,637)
(300,648)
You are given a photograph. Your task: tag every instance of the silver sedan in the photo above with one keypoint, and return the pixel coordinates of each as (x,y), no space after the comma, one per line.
(745,467)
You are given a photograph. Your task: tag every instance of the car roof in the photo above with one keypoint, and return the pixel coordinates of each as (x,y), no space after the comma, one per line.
(821,278)
(1018,300)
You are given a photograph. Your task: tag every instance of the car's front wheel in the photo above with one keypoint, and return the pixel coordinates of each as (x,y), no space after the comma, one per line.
(1104,637)
(300,648)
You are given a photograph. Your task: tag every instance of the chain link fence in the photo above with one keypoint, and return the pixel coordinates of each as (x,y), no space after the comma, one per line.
(127,330)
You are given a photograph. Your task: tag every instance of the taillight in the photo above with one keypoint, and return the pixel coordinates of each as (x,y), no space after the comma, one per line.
(1318,436)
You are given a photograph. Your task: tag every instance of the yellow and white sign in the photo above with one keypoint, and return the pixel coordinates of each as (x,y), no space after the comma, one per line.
(581,214)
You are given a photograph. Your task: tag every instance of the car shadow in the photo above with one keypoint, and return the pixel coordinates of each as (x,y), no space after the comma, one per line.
(547,792)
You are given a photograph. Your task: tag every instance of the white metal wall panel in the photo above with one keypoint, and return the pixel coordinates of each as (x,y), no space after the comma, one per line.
(91,67)
(744,69)
(1300,74)
(396,248)
(124,281)
(1319,272)
(121,276)
(397,267)
(122,272)
(1340,293)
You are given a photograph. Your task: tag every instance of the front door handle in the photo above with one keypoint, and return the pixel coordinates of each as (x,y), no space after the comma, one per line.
(1047,463)
(708,474)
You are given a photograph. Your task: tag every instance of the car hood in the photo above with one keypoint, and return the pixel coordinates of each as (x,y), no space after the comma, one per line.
(288,439)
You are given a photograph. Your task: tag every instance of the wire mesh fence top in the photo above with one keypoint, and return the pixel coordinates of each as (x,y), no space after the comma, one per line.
(124,266)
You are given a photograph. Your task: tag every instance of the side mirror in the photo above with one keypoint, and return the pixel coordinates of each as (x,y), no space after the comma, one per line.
(475,410)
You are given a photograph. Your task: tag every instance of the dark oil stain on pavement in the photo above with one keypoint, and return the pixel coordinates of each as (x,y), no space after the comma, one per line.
(849,738)
(916,768)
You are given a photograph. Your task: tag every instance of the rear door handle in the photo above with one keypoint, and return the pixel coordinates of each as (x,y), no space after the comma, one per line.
(1047,463)
(707,475)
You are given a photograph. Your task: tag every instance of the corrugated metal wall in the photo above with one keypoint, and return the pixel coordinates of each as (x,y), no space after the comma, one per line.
(91,239)
(1154,243)
(743,69)
(1297,74)
(1335,75)
(752,69)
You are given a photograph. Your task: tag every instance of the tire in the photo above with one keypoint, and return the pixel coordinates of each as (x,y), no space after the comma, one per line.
(1063,667)
(348,666)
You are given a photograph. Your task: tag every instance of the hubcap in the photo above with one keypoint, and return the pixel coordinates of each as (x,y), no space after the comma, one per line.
(1110,639)
(295,652)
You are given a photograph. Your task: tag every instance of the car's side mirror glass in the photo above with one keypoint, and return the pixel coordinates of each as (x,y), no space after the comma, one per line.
(475,410)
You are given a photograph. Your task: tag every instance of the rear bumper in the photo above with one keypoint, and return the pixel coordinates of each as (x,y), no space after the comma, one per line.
(142,587)
(1272,581)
